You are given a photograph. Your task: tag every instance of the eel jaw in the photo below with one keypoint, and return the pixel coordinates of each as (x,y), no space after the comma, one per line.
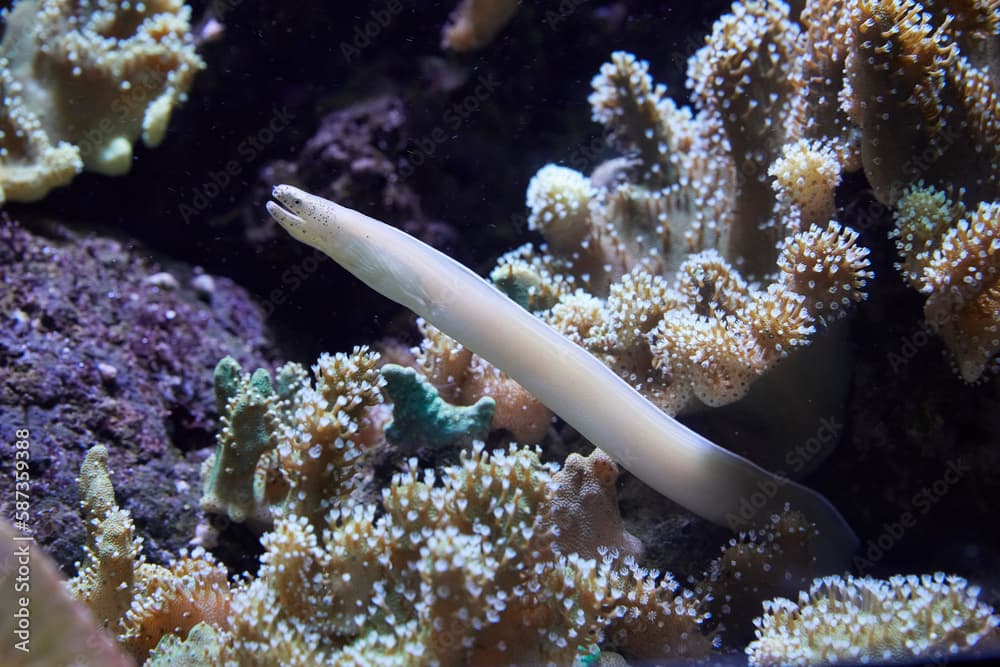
(284,217)
(290,202)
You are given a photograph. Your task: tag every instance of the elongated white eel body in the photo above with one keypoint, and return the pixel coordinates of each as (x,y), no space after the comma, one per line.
(708,480)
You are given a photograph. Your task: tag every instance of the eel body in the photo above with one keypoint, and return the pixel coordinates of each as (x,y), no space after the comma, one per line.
(708,480)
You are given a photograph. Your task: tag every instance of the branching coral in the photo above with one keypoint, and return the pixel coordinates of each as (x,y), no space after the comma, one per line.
(920,103)
(907,90)
(137,601)
(296,447)
(745,79)
(82,81)
(457,571)
(953,256)
(863,620)
(662,240)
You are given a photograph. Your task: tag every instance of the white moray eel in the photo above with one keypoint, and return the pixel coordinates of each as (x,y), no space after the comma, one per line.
(691,470)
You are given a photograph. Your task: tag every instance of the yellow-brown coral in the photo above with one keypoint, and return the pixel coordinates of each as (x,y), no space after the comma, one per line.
(953,256)
(805,178)
(584,508)
(82,81)
(962,280)
(475,23)
(862,620)
(774,559)
(459,570)
(135,600)
(827,267)
(296,447)
(648,276)
(920,103)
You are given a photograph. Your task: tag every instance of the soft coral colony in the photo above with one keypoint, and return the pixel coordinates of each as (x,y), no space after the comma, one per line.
(690,266)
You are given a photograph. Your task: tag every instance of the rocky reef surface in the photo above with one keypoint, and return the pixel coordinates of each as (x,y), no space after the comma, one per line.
(103,345)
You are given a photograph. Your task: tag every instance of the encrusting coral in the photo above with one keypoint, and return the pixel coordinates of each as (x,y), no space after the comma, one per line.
(584,514)
(421,418)
(861,620)
(82,81)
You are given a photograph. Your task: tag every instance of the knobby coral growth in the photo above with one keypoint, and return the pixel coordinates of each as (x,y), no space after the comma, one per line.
(81,81)
(137,601)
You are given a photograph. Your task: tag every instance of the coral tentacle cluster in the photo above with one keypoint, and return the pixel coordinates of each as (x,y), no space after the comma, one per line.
(81,82)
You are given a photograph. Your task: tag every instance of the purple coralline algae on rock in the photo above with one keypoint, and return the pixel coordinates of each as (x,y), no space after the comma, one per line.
(100,345)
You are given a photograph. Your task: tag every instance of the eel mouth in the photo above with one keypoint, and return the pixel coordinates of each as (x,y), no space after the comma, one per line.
(285,211)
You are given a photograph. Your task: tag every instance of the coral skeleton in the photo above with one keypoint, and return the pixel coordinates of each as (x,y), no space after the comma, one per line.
(671,458)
